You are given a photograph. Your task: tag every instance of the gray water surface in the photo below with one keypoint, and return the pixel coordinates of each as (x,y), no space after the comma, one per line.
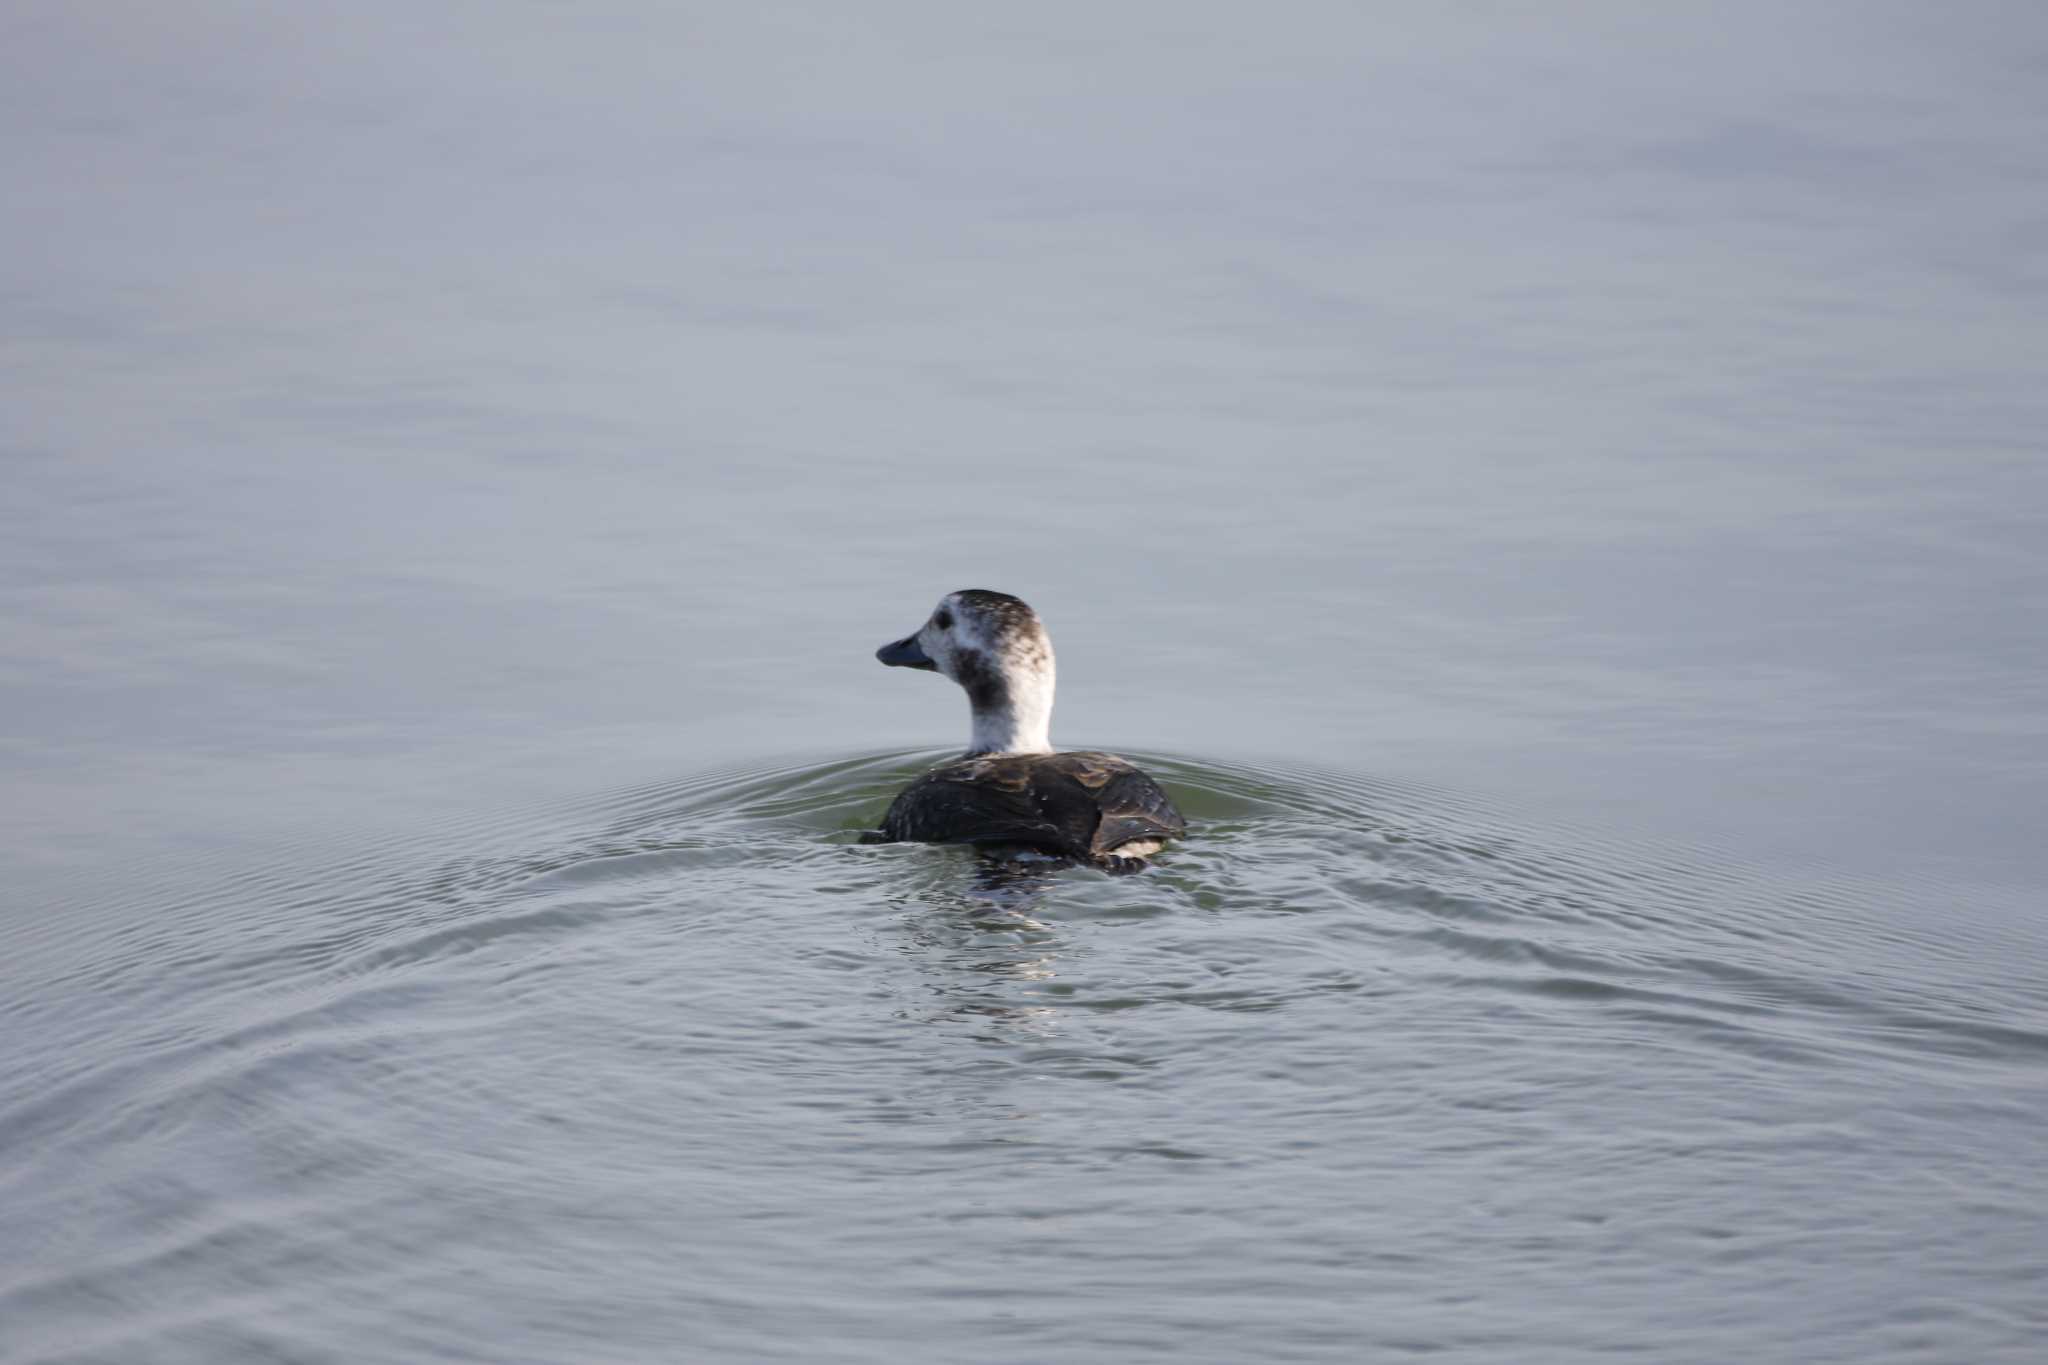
(692,1075)
(1558,495)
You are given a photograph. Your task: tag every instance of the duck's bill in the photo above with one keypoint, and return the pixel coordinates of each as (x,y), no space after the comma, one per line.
(905,653)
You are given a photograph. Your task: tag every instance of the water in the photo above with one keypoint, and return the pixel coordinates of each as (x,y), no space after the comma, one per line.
(1557,499)
(690,1073)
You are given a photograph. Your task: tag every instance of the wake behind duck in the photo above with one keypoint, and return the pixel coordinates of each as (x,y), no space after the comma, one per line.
(1010,789)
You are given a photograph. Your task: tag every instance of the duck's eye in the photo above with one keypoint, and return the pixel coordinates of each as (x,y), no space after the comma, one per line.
(944,620)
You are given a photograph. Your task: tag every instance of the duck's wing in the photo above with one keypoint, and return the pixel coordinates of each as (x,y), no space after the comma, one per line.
(1133,808)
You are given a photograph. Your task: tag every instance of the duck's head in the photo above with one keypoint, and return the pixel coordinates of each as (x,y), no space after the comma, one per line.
(992,645)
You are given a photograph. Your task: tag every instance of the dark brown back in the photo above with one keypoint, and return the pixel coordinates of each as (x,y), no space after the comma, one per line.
(1078,805)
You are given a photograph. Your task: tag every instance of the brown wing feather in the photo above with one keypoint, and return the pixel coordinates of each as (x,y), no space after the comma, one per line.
(1134,807)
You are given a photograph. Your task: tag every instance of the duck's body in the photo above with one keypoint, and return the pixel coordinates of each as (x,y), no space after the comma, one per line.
(1011,790)
(1086,806)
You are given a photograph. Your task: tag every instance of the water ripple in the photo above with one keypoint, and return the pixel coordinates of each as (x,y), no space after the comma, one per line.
(1353,1047)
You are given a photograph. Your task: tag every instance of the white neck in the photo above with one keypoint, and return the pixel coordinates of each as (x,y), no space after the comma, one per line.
(1020,724)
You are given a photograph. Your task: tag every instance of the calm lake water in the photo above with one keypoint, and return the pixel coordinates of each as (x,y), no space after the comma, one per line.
(1559,501)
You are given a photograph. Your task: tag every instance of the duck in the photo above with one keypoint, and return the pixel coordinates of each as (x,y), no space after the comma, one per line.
(1012,791)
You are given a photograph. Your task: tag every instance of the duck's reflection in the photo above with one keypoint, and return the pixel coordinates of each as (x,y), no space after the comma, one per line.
(984,948)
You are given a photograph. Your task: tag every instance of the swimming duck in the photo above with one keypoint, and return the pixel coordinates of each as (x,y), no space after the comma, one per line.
(1011,789)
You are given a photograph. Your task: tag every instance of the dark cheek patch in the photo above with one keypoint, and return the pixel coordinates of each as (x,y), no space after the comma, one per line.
(985,690)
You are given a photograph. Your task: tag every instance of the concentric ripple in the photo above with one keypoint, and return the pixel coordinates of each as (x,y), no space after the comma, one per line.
(689,1072)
